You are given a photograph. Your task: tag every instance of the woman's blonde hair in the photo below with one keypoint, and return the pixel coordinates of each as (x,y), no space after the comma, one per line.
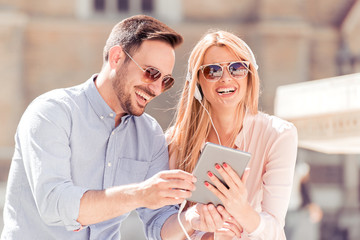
(192,123)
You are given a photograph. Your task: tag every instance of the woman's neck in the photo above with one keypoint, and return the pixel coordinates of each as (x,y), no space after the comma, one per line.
(226,123)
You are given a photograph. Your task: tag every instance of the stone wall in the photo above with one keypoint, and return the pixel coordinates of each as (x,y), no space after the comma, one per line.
(45,46)
(12,27)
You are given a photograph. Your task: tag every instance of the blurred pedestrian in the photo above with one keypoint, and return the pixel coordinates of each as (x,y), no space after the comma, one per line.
(304,216)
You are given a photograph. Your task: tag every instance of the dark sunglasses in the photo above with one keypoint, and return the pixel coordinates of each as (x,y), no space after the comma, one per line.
(152,74)
(213,72)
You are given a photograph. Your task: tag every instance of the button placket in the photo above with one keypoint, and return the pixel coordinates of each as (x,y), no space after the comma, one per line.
(109,161)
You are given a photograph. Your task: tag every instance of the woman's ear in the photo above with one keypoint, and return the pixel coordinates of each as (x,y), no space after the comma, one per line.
(116,54)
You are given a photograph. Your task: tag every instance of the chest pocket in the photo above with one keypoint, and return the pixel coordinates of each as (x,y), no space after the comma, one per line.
(131,171)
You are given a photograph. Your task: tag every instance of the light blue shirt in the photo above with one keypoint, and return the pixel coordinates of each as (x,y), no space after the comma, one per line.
(66,144)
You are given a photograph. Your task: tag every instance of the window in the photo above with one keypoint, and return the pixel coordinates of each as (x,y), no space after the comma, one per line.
(123,6)
(147,5)
(99,5)
(164,10)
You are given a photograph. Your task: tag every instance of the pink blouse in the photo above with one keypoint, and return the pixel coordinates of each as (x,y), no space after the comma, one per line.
(272,143)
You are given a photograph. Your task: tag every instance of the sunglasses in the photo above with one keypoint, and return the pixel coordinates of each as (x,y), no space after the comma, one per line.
(213,72)
(152,75)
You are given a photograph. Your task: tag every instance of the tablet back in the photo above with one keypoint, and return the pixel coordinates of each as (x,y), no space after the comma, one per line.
(212,154)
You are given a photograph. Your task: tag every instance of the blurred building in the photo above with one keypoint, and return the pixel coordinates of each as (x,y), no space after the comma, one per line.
(326,113)
(52,44)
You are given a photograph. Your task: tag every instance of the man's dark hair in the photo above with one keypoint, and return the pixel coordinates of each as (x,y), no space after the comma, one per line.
(131,32)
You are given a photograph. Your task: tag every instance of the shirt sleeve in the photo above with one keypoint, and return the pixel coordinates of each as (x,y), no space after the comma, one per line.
(154,219)
(43,137)
(277,184)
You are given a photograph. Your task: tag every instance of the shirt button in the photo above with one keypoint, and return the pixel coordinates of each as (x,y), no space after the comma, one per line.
(111,114)
(101,117)
(109,164)
(113,132)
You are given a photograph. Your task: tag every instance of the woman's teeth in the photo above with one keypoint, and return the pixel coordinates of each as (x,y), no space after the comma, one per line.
(225,90)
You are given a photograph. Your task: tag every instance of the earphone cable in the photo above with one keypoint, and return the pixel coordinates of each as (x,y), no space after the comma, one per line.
(212,123)
(182,205)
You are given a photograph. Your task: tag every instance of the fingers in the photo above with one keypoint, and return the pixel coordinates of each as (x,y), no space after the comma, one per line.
(159,202)
(203,223)
(175,201)
(233,228)
(177,174)
(167,188)
(175,193)
(225,215)
(210,218)
(206,219)
(167,197)
(173,179)
(179,184)
(230,171)
(229,175)
(219,186)
(224,234)
(231,178)
(215,216)
(177,179)
(231,223)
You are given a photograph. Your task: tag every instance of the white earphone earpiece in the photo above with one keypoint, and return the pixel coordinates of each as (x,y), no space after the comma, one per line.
(197,93)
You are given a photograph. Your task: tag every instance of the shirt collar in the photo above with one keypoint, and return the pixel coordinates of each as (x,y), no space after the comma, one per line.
(99,105)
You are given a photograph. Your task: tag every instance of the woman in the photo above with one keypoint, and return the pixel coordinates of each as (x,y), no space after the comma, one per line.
(219,104)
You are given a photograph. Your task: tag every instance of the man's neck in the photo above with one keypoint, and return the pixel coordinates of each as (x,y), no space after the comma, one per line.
(103,85)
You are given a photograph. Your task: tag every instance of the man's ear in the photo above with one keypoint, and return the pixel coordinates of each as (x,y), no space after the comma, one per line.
(116,54)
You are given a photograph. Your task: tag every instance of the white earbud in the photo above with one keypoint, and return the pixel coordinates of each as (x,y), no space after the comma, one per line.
(197,93)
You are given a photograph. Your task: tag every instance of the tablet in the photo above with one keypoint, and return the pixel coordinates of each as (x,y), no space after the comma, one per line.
(212,154)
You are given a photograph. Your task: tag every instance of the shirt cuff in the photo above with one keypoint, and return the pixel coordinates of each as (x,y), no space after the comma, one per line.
(155,219)
(259,228)
(71,206)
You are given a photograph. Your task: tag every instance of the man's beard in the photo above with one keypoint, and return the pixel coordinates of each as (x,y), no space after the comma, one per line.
(124,95)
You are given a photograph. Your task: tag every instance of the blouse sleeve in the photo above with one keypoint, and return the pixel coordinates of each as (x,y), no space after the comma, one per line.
(277,184)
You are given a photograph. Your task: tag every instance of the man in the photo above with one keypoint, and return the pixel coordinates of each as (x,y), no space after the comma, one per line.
(88,155)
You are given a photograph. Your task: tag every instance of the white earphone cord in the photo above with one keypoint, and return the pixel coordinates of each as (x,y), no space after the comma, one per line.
(182,205)
(212,123)
(217,134)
